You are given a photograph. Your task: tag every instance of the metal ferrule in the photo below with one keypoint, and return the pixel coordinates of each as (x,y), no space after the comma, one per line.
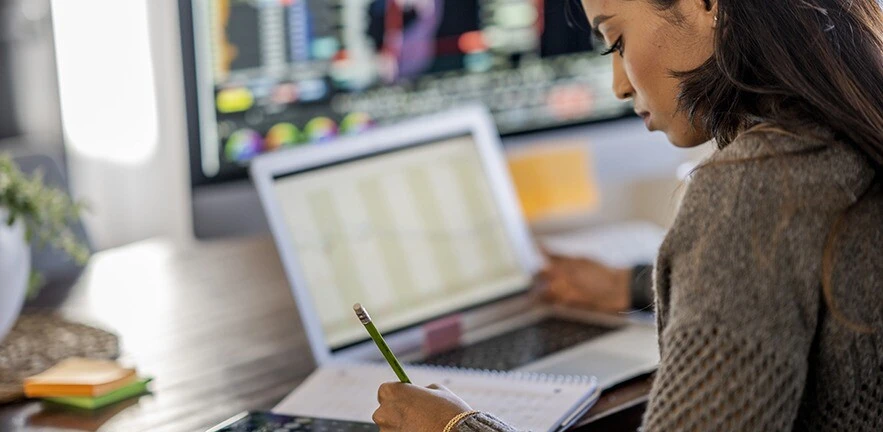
(362,314)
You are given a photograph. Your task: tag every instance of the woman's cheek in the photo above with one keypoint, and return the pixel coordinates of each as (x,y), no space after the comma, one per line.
(638,72)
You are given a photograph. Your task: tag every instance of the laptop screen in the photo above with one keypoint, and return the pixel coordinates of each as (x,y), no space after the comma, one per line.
(413,234)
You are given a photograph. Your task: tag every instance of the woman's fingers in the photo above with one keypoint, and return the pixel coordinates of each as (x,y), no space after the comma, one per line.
(378,418)
(383,392)
(438,387)
(390,391)
(559,286)
(406,407)
(387,417)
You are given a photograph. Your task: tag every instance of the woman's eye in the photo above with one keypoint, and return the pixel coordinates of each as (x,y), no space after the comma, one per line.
(616,47)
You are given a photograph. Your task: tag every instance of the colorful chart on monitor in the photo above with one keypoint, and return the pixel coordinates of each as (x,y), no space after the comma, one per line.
(243,145)
(320,129)
(356,123)
(283,135)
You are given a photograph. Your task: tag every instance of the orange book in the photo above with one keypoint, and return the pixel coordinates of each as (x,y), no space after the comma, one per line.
(79,377)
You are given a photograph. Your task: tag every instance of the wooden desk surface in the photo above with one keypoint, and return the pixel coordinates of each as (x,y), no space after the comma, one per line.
(215,325)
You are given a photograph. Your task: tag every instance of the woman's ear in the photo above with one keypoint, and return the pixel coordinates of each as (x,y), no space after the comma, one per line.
(706,11)
(712,9)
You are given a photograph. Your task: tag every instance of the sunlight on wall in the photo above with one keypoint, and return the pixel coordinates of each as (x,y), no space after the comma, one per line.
(106,82)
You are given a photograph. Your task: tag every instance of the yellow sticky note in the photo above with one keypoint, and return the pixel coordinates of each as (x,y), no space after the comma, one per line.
(555,180)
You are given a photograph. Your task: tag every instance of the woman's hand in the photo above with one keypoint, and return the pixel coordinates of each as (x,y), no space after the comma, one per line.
(406,407)
(584,283)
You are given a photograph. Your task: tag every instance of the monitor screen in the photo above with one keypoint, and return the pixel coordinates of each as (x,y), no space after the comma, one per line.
(267,74)
(412,234)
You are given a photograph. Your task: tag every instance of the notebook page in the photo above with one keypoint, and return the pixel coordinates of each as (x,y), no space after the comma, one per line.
(526,401)
(622,244)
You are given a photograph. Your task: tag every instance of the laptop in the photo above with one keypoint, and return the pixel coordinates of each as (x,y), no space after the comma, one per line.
(419,222)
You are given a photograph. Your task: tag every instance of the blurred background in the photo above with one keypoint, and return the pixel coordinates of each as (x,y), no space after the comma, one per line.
(154,107)
(29,108)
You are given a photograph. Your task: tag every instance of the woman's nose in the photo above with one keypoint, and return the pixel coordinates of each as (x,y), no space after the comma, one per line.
(622,87)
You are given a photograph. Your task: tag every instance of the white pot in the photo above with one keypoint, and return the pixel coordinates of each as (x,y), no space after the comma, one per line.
(15,270)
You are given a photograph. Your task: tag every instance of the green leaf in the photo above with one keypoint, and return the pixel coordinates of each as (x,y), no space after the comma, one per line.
(45,212)
(35,283)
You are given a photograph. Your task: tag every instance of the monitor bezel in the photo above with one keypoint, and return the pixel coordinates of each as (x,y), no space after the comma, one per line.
(475,121)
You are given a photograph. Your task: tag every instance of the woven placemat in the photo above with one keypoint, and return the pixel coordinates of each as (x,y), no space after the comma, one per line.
(39,341)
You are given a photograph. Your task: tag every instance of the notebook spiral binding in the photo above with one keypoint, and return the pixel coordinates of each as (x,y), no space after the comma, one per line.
(514,375)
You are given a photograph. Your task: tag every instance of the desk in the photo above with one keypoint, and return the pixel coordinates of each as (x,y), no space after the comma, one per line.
(215,325)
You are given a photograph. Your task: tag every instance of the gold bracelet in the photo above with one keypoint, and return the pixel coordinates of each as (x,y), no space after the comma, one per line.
(457,419)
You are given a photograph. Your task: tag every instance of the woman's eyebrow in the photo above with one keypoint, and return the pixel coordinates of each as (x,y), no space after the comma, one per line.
(597,21)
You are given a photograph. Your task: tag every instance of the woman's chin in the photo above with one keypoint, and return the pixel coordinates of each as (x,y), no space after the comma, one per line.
(686,140)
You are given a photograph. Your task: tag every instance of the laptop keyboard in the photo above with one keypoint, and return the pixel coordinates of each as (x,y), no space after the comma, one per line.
(518,347)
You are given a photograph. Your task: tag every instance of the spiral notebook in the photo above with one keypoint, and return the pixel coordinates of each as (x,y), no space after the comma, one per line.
(526,401)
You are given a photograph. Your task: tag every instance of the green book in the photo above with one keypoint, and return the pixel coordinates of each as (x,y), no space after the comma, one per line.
(137,388)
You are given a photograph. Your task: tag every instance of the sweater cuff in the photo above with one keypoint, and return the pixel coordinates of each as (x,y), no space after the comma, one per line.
(642,287)
(483,422)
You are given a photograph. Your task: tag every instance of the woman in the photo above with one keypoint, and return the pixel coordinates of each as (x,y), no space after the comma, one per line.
(769,286)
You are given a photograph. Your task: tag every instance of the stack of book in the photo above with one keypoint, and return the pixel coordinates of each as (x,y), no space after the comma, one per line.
(86,383)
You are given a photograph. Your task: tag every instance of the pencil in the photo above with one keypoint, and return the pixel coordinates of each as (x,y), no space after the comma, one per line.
(381,344)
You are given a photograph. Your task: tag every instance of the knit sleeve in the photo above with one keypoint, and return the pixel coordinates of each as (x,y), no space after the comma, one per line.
(483,422)
(743,264)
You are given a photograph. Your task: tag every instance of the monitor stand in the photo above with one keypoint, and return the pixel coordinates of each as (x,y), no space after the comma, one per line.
(228,210)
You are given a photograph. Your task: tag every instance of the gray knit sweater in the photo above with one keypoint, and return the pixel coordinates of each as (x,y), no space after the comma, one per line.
(747,340)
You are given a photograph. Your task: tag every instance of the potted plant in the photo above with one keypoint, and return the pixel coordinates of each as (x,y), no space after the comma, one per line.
(29,210)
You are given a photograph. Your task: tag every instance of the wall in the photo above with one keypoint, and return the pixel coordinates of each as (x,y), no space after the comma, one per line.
(120,88)
(28,90)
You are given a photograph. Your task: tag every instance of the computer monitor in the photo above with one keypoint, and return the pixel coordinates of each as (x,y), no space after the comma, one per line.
(268,74)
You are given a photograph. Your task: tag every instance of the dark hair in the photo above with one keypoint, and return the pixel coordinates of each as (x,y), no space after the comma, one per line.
(786,63)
